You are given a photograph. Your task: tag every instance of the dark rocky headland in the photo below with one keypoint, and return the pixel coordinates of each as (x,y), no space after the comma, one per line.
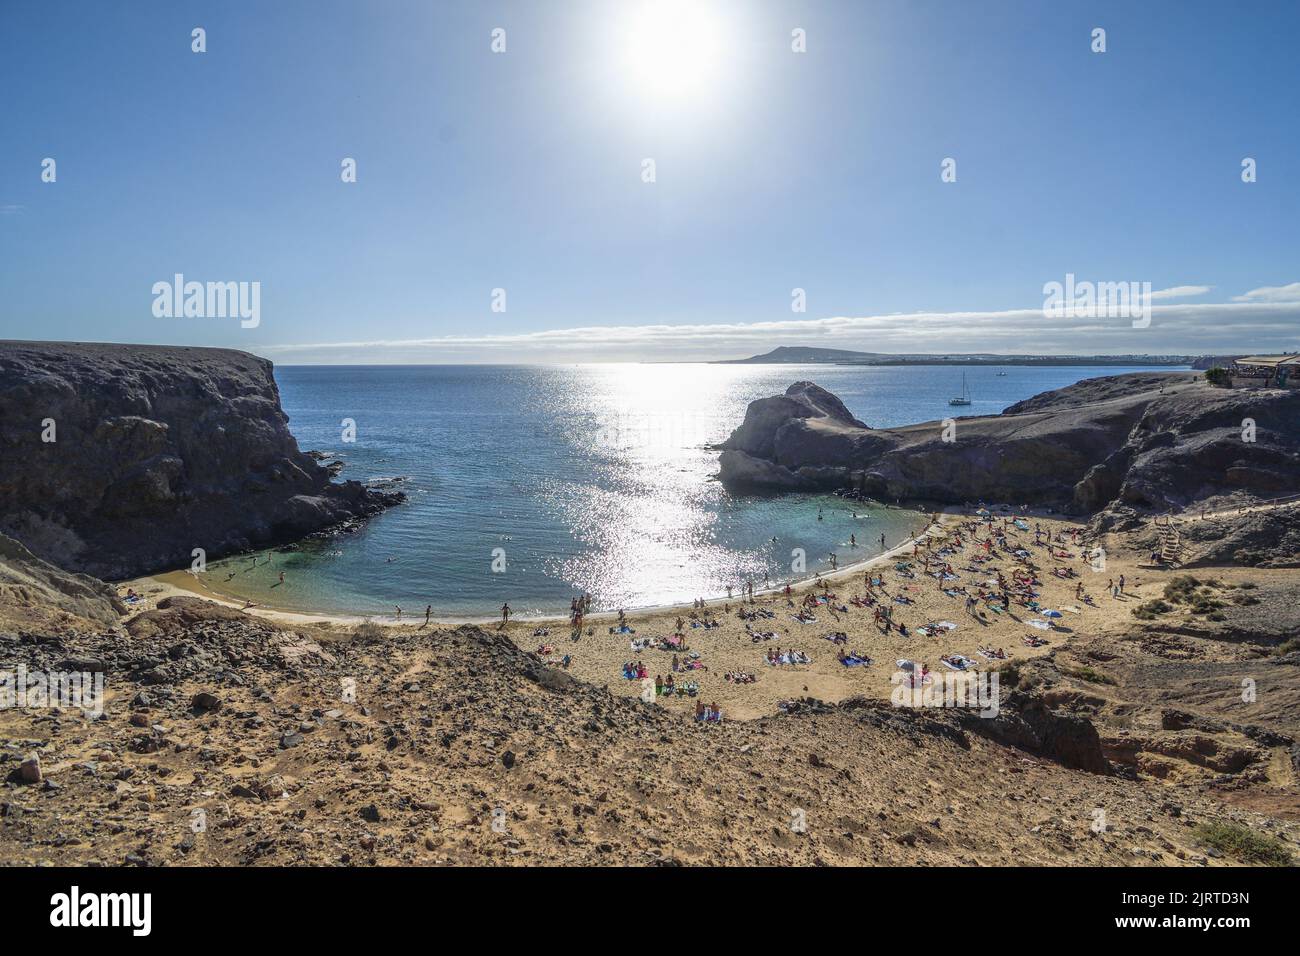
(1127,445)
(157,450)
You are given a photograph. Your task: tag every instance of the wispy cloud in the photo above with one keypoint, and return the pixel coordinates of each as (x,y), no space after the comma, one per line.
(1181,292)
(1271,293)
(1185,328)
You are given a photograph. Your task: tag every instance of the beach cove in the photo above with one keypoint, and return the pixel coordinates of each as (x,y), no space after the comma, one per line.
(593,480)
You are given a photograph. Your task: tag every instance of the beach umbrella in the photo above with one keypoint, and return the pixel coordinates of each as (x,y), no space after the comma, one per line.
(1050,613)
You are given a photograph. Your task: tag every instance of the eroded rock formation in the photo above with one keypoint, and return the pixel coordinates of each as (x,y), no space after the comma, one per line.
(1142,441)
(119,460)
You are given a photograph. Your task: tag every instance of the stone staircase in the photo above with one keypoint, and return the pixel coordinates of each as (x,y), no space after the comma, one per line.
(1171,541)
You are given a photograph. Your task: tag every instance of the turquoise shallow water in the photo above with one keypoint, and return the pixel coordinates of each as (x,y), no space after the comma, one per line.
(578,478)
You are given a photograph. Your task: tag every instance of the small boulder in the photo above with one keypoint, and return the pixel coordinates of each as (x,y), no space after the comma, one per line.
(29,771)
(205,702)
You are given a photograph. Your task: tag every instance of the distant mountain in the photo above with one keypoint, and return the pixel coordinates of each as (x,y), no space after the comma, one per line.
(802,354)
(807,355)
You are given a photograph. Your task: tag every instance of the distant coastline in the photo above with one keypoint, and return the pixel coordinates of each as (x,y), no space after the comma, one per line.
(805,355)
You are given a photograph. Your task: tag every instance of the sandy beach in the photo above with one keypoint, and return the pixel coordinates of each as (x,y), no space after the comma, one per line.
(599,651)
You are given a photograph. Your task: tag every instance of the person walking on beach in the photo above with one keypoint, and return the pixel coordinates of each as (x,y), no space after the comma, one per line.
(399,611)
(428,609)
(505,615)
(1120,590)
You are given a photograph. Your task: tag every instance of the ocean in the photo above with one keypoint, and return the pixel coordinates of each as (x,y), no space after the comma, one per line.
(530,484)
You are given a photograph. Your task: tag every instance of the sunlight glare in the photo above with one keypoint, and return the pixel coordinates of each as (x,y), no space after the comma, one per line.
(673,48)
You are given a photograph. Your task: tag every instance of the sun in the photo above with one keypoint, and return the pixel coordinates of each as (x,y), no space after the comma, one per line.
(673,49)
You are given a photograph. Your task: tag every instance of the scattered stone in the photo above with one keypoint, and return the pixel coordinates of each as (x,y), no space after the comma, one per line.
(206,702)
(30,770)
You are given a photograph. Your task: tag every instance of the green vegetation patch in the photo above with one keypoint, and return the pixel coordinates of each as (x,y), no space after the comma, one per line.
(1089,674)
(1244,844)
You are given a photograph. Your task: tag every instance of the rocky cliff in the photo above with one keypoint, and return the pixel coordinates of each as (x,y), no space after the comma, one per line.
(1145,442)
(34,593)
(119,460)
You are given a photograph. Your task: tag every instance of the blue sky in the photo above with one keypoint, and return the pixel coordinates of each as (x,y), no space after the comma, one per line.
(774,170)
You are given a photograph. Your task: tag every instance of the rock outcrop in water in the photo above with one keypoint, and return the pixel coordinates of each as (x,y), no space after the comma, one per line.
(119,460)
(1142,441)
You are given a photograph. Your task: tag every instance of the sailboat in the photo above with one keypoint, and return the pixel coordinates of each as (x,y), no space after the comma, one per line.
(965,393)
